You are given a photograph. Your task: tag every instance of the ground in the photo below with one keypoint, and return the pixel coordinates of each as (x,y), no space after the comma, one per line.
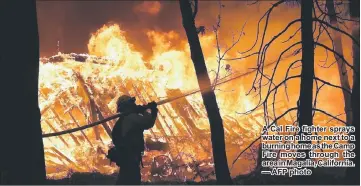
(99,179)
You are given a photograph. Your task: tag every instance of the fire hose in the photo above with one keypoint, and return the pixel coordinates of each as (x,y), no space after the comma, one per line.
(117,115)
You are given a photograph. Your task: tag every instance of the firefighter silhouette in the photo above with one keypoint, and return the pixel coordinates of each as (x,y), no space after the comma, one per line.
(128,138)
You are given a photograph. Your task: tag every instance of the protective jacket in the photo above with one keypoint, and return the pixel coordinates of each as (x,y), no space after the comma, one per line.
(128,131)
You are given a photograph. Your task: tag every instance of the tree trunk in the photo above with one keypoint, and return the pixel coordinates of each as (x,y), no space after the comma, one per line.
(209,98)
(353,173)
(305,101)
(337,44)
(22,154)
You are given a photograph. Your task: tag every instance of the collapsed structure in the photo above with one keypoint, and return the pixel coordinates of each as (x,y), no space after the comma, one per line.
(181,132)
(77,89)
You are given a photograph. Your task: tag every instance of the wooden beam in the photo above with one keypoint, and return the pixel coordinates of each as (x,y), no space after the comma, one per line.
(54,129)
(62,126)
(82,132)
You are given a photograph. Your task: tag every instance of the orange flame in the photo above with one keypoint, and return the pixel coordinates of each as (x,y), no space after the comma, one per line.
(120,69)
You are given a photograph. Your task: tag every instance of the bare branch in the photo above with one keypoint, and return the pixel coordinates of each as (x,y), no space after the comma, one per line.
(318,89)
(265,28)
(330,115)
(293,35)
(337,29)
(325,61)
(278,60)
(335,116)
(339,55)
(256,1)
(336,14)
(261,58)
(332,85)
(288,70)
(267,127)
(269,92)
(242,57)
(220,56)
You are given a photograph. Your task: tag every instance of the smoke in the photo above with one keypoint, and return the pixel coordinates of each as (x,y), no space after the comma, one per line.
(149,7)
(72,22)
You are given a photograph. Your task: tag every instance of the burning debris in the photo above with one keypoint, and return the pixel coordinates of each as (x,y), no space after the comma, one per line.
(179,127)
(76,89)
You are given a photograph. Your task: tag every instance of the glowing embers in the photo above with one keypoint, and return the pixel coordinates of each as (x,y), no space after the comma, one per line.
(76,89)
(70,97)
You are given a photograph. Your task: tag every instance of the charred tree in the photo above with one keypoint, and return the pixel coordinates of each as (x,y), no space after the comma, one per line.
(209,98)
(23,163)
(353,173)
(337,44)
(305,102)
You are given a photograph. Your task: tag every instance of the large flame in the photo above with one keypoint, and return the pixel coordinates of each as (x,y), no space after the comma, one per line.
(74,92)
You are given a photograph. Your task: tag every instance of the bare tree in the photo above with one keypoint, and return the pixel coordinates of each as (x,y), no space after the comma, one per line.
(353,173)
(209,98)
(223,51)
(305,102)
(22,154)
(313,25)
(337,44)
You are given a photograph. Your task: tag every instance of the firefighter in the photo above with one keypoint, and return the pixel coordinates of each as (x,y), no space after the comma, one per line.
(128,138)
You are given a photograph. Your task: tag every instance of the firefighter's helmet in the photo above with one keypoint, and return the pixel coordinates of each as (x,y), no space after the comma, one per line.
(124,101)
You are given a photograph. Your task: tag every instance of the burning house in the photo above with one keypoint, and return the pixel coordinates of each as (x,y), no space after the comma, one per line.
(77,89)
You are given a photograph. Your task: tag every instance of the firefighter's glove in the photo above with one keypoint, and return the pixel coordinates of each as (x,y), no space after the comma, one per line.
(152,105)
